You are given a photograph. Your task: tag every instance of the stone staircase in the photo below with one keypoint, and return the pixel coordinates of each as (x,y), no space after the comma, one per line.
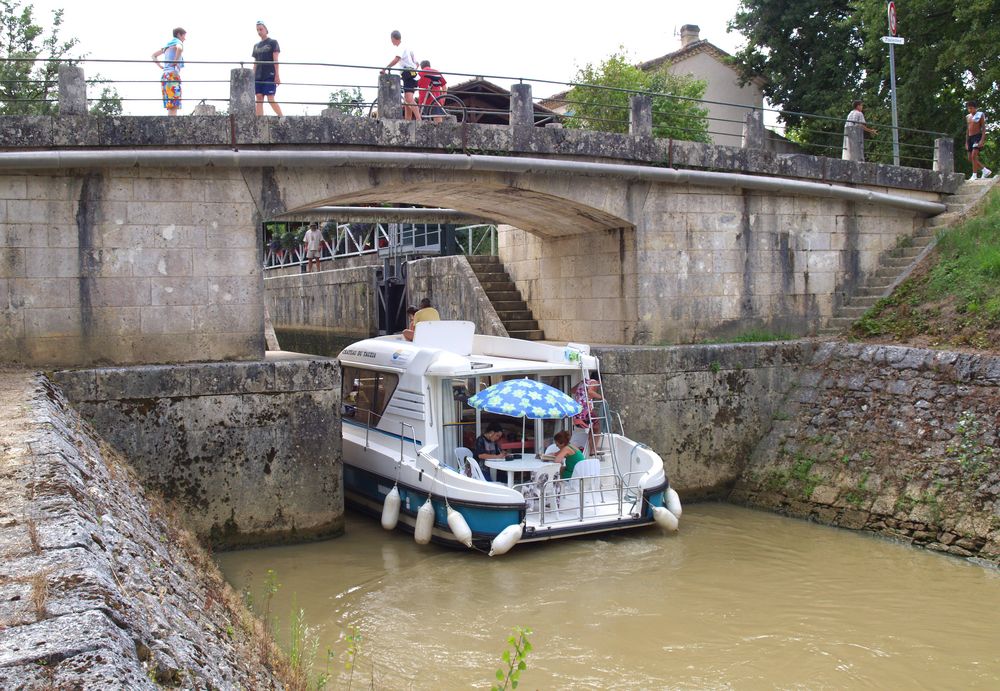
(506,298)
(895,263)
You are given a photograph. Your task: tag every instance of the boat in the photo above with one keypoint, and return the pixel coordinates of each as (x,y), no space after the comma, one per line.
(408,430)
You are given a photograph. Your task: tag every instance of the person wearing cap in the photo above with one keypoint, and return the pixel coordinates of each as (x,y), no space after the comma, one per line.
(408,70)
(313,241)
(265,71)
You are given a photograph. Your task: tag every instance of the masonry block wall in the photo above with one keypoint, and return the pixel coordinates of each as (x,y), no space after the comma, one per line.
(126,266)
(705,263)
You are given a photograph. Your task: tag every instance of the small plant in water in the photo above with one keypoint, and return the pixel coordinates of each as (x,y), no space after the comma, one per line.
(353,651)
(514,657)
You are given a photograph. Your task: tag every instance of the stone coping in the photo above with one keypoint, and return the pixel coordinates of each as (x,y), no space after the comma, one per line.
(344,132)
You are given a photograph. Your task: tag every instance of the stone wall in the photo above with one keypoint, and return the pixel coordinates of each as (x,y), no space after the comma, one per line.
(131,265)
(249,451)
(454,290)
(704,263)
(100,588)
(899,441)
(702,408)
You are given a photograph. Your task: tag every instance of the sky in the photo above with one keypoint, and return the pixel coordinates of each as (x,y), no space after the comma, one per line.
(511,39)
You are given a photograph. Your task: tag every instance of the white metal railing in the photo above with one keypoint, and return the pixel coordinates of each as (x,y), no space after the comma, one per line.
(387,239)
(576,498)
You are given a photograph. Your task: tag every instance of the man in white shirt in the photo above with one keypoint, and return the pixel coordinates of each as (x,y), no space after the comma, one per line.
(855,126)
(312,240)
(408,67)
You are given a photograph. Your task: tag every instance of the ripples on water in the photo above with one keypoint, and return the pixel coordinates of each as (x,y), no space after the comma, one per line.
(739,598)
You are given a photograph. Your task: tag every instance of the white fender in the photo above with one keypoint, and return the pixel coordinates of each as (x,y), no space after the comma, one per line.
(665,519)
(506,539)
(425,522)
(674,502)
(459,527)
(390,509)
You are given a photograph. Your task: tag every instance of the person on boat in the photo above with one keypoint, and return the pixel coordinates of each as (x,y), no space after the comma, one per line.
(568,455)
(586,427)
(488,447)
(426,313)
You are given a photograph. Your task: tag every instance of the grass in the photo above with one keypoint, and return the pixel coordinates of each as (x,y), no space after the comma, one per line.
(751,336)
(952,300)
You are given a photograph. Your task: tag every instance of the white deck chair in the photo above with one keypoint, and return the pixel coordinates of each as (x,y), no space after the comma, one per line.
(470,468)
(461,453)
(569,502)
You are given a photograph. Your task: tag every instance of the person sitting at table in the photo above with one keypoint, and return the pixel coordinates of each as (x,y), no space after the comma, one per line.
(567,456)
(488,448)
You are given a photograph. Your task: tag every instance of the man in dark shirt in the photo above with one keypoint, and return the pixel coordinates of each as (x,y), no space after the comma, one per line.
(265,73)
(488,447)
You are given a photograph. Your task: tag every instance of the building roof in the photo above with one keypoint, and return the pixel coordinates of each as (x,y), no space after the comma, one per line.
(691,49)
(489,103)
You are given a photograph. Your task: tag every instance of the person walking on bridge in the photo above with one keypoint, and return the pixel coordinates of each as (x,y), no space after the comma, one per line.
(432,87)
(854,133)
(173,61)
(265,70)
(408,69)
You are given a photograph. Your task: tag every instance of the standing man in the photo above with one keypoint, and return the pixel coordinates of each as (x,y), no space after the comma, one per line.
(408,67)
(312,240)
(856,127)
(265,71)
(975,137)
(432,86)
(173,61)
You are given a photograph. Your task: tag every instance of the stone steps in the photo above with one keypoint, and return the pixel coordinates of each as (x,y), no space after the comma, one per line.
(506,298)
(895,262)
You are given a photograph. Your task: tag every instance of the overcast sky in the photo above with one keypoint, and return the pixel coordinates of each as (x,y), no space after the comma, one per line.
(542,40)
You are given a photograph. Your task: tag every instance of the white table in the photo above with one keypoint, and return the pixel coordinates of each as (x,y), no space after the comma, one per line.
(526,464)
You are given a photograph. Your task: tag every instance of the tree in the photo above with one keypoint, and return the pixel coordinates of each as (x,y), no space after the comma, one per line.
(818,55)
(601,99)
(29,74)
(348,102)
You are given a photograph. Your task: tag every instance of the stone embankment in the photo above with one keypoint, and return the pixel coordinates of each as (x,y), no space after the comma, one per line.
(899,441)
(99,586)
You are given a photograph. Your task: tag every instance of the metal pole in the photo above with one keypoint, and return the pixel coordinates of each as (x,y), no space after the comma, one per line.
(895,117)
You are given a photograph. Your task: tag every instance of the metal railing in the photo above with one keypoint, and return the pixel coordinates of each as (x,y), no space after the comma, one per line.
(205,82)
(575,499)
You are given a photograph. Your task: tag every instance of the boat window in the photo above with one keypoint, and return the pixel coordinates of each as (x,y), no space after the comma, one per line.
(460,417)
(366,394)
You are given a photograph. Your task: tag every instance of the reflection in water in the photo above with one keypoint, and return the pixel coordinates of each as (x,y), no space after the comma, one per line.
(738,598)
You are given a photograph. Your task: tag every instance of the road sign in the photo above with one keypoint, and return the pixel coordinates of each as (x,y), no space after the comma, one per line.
(894,40)
(892,19)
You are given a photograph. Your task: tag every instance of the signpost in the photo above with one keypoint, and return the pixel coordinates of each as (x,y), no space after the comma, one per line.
(893,40)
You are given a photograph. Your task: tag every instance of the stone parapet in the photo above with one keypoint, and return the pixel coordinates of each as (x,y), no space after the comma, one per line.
(902,442)
(250,451)
(244,131)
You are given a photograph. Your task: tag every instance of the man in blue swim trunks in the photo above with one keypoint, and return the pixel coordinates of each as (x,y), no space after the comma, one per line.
(265,72)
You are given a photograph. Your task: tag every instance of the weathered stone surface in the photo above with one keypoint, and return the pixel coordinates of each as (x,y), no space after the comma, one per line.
(99,586)
(250,451)
(901,441)
(339,303)
(455,292)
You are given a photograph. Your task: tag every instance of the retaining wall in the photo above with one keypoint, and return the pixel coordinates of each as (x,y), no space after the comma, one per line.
(100,587)
(903,442)
(455,291)
(250,452)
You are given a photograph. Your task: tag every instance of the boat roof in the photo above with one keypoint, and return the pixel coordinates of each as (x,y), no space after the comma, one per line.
(453,349)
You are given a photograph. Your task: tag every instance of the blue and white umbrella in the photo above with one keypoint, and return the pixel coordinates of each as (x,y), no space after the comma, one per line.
(527,399)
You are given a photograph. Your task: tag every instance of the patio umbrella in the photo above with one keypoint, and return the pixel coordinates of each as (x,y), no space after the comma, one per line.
(525,398)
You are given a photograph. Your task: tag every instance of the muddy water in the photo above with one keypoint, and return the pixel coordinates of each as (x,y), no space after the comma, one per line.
(738,599)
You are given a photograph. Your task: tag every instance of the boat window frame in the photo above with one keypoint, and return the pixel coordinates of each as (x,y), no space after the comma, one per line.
(381,394)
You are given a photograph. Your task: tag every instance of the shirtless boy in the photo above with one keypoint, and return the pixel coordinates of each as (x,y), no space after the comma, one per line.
(975,137)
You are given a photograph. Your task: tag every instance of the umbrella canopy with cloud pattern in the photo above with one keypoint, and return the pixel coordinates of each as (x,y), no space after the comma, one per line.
(525,398)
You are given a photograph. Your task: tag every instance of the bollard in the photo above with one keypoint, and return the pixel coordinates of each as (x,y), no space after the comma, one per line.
(390,97)
(753,130)
(205,109)
(944,155)
(640,116)
(854,140)
(72,90)
(241,96)
(522,110)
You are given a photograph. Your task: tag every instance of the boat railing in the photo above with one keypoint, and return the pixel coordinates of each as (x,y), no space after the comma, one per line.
(575,498)
(402,439)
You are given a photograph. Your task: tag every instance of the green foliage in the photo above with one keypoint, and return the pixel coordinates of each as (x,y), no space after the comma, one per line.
(818,55)
(514,658)
(601,101)
(753,336)
(964,284)
(348,101)
(30,87)
(353,652)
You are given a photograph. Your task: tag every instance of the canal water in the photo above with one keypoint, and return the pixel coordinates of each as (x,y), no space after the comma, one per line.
(739,598)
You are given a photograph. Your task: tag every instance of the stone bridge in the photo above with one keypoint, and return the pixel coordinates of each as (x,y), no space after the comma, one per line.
(137,239)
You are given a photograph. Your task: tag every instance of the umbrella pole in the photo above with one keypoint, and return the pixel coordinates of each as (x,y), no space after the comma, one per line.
(524,422)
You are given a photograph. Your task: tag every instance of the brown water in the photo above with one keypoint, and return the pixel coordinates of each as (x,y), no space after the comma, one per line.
(739,598)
